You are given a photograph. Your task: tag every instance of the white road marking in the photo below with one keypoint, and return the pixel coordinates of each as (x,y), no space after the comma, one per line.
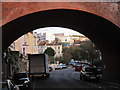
(111,83)
(115,87)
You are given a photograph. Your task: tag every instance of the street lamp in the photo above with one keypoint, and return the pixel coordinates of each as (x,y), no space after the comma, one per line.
(92,53)
(99,53)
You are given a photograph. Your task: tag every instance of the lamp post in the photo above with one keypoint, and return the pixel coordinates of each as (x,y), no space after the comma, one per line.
(99,53)
(87,55)
(92,53)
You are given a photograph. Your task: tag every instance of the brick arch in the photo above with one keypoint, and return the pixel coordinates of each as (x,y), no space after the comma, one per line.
(102,32)
(86,23)
(14,10)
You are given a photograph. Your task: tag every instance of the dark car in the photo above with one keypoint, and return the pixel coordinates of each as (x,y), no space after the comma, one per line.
(22,80)
(78,67)
(8,85)
(90,73)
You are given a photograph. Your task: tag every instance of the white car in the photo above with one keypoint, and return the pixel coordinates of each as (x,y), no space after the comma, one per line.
(58,67)
(63,65)
(9,85)
(22,80)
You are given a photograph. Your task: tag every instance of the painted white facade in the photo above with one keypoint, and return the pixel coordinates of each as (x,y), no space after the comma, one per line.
(70,38)
(46,37)
(64,38)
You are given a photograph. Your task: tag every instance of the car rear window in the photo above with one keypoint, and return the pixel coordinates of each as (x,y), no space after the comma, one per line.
(21,75)
(79,65)
(90,69)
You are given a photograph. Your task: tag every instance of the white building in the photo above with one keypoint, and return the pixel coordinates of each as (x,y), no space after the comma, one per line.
(72,39)
(49,37)
(56,47)
(64,38)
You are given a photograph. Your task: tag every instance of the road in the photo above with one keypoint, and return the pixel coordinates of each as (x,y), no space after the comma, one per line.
(70,79)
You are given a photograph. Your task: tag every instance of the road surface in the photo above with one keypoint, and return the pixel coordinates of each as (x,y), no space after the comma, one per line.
(70,79)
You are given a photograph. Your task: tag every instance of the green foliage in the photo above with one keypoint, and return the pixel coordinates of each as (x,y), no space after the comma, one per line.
(60,59)
(91,53)
(67,54)
(96,62)
(86,51)
(75,53)
(51,59)
(50,51)
(71,53)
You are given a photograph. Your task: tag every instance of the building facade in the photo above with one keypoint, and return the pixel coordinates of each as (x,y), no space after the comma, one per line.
(26,44)
(46,37)
(68,40)
(56,47)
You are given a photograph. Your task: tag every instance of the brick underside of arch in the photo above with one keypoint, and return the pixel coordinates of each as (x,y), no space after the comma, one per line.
(13,10)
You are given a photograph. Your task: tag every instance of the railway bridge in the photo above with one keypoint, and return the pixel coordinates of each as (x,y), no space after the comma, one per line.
(99,21)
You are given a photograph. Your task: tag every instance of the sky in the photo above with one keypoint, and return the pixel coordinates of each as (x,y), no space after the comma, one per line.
(54,30)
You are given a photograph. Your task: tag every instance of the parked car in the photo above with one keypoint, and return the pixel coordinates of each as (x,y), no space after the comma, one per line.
(63,66)
(8,85)
(85,64)
(22,80)
(73,64)
(50,68)
(58,67)
(90,73)
(78,67)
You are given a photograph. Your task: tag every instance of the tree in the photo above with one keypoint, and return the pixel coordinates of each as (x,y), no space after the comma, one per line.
(67,54)
(71,53)
(76,54)
(60,59)
(50,51)
(86,46)
(86,51)
(92,54)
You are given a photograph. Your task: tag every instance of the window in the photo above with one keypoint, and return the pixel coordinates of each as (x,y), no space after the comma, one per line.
(23,50)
